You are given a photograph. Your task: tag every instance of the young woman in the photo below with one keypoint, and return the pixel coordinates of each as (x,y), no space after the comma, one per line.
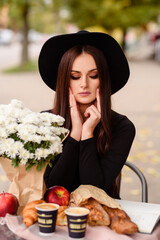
(85,69)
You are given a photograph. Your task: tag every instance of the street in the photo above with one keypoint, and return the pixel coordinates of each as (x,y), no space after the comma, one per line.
(139,100)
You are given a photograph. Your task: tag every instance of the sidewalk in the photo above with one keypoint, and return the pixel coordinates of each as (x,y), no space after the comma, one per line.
(139,100)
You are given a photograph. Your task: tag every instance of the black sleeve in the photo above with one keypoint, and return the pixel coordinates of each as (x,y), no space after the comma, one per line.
(121,142)
(90,171)
(64,166)
(102,172)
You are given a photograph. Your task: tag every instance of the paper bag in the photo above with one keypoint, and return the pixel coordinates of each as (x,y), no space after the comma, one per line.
(81,195)
(25,185)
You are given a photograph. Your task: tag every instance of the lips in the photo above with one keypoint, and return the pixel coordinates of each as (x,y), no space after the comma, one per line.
(84,94)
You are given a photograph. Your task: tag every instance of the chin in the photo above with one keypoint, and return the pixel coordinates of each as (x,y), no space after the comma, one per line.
(86,102)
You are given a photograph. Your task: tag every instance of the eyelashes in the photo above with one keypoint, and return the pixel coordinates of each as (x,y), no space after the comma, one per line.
(92,77)
(74,78)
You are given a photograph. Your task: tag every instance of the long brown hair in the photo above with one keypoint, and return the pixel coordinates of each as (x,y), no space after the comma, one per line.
(61,105)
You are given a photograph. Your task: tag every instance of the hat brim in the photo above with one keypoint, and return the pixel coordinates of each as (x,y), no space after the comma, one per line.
(54,48)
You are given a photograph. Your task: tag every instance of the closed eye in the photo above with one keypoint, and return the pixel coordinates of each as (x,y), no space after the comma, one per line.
(75,78)
(94,76)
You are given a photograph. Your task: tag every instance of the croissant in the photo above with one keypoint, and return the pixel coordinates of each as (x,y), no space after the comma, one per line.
(30,213)
(97,216)
(120,221)
(61,216)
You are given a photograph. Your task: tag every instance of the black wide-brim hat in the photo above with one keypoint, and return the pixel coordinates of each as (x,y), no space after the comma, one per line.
(54,48)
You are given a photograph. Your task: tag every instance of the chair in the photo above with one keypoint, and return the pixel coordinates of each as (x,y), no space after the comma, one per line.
(142,179)
(115,188)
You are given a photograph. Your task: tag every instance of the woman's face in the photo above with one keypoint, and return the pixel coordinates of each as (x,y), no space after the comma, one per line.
(84,79)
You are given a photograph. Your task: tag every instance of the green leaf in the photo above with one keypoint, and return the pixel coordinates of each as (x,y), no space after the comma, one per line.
(38,168)
(29,167)
(50,164)
(15,137)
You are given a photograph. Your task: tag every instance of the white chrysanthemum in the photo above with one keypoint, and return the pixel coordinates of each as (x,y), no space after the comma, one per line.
(2,120)
(2,146)
(12,152)
(20,128)
(41,153)
(10,120)
(18,146)
(13,113)
(63,130)
(2,109)
(23,134)
(29,127)
(16,104)
(23,113)
(23,161)
(33,138)
(11,128)
(11,148)
(56,147)
(1,149)
(6,144)
(48,138)
(43,130)
(52,118)
(59,120)
(24,154)
(56,130)
(3,132)
(59,130)
(26,138)
(33,118)
(6,120)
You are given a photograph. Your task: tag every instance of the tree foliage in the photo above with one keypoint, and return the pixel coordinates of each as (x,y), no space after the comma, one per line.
(109,14)
(112,13)
(20,11)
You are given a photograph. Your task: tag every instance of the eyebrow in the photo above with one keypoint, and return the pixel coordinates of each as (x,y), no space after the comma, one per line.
(94,69)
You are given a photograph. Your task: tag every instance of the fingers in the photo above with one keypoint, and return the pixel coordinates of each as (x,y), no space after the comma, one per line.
(75,118)
(70,97)
(93,117)
(72,101)
(92,112)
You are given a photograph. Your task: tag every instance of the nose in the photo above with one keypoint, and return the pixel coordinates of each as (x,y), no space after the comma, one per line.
(84,81)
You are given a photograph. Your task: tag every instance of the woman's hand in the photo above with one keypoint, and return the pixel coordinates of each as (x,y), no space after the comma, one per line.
(93,115)
(76,119)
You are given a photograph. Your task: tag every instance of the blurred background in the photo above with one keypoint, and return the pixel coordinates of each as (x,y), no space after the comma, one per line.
(26,24)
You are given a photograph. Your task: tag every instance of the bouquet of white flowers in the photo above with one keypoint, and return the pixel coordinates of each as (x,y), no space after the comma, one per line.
(29,138)
(28,142)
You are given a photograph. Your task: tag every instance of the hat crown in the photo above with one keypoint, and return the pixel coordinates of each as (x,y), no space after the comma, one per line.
(82,32)
(54,48)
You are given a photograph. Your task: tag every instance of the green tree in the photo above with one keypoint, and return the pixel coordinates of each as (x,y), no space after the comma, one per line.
(20,11)
(111,14)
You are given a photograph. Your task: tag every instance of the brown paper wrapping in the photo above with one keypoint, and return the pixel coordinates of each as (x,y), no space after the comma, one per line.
(81,195)
(25,185)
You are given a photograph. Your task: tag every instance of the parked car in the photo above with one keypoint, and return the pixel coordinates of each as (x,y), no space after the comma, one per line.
(6,36)
(33,36)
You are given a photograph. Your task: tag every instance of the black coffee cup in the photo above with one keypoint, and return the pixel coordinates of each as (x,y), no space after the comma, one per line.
(47,216)
(77,221)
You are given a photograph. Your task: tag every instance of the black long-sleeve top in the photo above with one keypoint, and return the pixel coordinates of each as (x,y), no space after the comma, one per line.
(79,162)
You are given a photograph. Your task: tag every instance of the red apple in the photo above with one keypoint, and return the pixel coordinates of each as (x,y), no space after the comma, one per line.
(57,194)
(8,204)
